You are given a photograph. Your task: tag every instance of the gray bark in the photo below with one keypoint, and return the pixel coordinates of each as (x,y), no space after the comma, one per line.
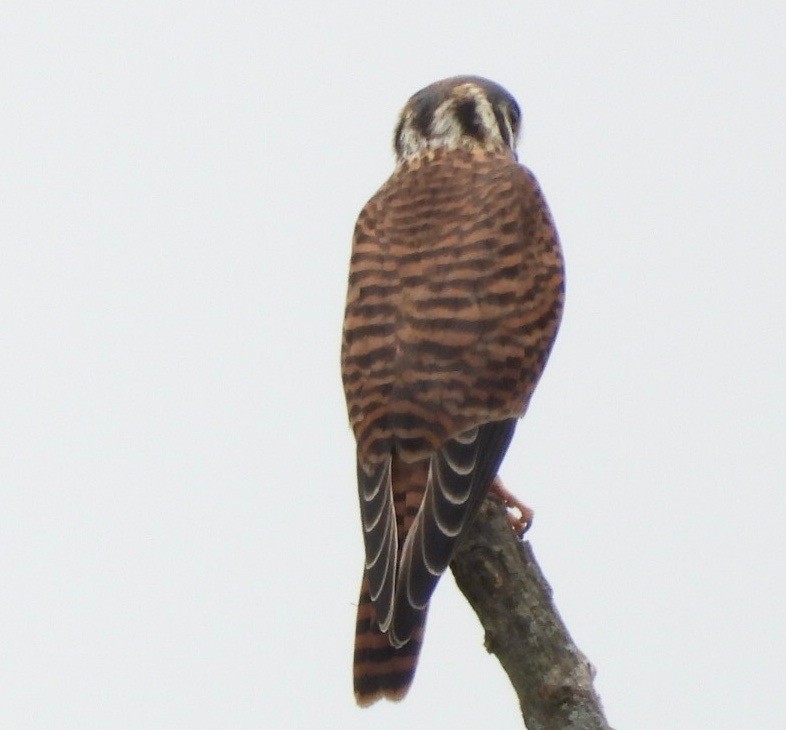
(500,578)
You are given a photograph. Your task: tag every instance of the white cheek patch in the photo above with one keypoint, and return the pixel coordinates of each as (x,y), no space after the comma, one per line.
(410,140)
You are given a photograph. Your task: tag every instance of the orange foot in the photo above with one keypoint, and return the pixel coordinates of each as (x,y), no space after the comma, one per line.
(519,523)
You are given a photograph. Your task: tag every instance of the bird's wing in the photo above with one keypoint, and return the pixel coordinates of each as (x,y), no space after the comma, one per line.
(459,476)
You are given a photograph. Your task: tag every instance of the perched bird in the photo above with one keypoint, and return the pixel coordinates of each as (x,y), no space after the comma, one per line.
(456,288)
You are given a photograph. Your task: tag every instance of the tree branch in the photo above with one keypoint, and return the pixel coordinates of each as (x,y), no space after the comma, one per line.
(503,583)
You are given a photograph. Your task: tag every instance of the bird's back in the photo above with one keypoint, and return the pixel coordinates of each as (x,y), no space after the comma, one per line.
(456,286)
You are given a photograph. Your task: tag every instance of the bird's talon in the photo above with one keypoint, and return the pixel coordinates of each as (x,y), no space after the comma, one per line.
(520,522)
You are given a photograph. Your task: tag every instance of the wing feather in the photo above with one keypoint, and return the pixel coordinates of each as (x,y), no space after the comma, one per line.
(379,534)
(451,500)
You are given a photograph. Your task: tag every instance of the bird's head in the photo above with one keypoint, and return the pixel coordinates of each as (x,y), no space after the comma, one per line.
(464,111)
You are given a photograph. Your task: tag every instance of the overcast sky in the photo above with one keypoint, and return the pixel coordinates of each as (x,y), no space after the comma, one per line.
(179,533)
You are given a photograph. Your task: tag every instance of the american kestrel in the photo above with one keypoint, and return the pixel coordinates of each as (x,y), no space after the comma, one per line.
(456,288)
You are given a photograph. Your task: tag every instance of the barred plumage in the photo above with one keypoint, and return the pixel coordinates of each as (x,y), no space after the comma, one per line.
(455,296)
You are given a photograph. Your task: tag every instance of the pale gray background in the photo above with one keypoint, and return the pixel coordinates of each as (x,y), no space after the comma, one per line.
(180,543)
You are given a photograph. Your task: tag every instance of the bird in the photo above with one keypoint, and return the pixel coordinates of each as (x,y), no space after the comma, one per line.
(455,295)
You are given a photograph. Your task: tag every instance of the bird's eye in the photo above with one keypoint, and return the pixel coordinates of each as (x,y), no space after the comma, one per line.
(515,115)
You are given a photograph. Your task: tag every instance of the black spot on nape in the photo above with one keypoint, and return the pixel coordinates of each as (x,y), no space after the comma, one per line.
(467,115)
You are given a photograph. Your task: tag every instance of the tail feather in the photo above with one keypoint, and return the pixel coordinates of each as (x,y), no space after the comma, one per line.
(381,670)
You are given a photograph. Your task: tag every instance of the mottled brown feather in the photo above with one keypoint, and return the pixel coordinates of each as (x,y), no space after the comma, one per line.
(455,296)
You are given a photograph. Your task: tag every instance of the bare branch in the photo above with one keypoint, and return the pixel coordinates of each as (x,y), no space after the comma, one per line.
(503,583)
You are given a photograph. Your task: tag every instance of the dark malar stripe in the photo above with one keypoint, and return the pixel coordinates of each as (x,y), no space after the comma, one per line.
(397,142)
(503,128)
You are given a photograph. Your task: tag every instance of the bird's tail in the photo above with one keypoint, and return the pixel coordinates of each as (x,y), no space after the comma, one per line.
(381,670)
